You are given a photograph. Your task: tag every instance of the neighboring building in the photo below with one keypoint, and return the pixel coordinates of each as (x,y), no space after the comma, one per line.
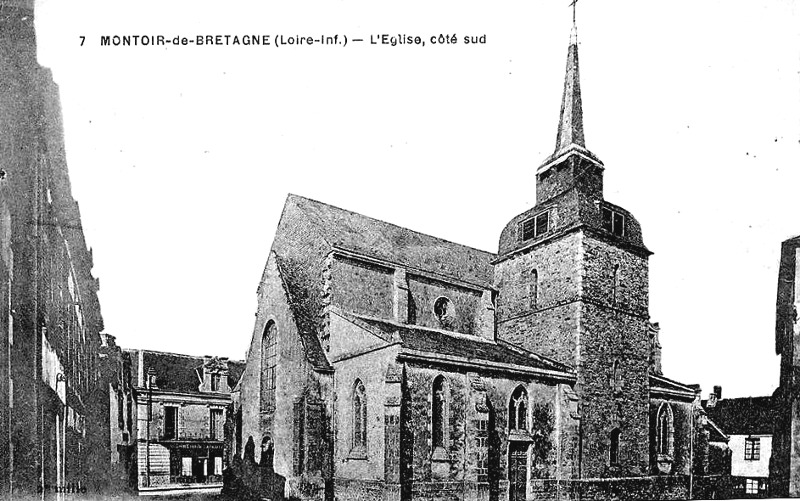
(115,366)
(747,423)
(785,474)
(181,404)
(52,424)
(389,364)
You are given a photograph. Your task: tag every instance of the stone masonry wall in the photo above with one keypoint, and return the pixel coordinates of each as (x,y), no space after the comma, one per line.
(477,416)
(362,287)
(682,416)
(610,337)
(629,291)
(613,375)
(419,399)
(673,487)
(369,466)
(574,172)
(586,315)
(548,324)
(295,379)
(424,292)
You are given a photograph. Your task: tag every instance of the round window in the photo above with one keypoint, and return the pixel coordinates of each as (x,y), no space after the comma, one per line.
(445,312)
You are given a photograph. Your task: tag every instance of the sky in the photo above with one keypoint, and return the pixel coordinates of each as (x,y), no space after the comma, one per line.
(181,157)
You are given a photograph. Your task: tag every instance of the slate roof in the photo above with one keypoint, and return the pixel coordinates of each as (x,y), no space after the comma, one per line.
(670,387)
(743,416)
(304,319)
(235,371)
(715,434)
(176,372)
(462,346)
(373,237)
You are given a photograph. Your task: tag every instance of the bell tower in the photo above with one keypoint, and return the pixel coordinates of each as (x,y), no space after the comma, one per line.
(572,276)
(571,165)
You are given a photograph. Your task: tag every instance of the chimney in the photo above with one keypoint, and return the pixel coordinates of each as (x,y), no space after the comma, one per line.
(714,397)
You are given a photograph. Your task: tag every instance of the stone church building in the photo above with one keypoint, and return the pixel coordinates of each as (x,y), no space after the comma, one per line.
(389,364)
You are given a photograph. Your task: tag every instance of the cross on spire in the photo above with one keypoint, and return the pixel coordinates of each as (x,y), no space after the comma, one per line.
(570,138)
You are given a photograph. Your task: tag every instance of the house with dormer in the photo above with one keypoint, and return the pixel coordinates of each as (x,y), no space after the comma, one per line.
(180,406)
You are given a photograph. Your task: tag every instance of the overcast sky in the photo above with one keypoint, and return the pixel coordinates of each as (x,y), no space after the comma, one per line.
(181,157)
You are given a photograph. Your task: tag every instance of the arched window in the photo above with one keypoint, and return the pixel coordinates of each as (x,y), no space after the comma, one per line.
(518,410)
(269,358)
(615,285)
(439,413)
(533,290)
(267,452)
(664,430)
(616,377)
(614,450)
(359,417)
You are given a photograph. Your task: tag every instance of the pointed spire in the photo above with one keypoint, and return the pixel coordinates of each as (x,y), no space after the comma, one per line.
(570,135)
(570,125)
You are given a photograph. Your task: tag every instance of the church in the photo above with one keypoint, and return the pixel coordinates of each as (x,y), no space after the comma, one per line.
(386,364)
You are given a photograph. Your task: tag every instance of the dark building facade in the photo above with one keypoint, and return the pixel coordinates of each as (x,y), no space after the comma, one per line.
(389,364)
(785,467)
(115,367)
(52,425)
(181,405)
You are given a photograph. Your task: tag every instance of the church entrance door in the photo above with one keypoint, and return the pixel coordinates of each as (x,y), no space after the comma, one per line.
(517,471)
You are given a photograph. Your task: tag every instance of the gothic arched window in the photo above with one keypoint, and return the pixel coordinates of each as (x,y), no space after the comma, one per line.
(613,455)
(518,410)
(439,413)
(664,430)
(359,416)
(269,358)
